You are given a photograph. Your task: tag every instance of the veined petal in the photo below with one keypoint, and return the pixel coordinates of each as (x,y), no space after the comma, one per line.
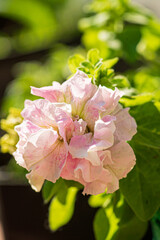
(81,170)
(126,126)
(88,171)
(39,146)
(79,147)
(68,169)
(105,182)
(123,159)
(78,89)
(24,130)
(102,103)
(64,122)
(39,112)
(80,86)
(104,132)
(52,93)
(45,155)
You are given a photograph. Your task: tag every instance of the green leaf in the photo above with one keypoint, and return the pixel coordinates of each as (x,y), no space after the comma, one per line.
(88,67)
(100,225)
(141,188)
(110,63)
(147,80)
(155,223)
(120,81)
(136,18)
(74,62)
(130,38)
(136,100)
(97,20)
(148,118)
(117,221)
(50,189)
(71,183)
(110,72)
(85,70)
(93,56)
(60,213)
(100,200)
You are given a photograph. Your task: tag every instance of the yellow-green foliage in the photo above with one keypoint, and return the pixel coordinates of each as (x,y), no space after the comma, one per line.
(9,140)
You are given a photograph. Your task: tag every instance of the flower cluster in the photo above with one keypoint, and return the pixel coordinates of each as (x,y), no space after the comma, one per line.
(77,132)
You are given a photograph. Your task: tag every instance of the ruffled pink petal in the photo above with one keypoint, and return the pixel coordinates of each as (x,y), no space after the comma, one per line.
(106,182)
(38,146)
(81,170)
(39,112)
(52,93)
(24,130)
(18,155)
(88,171)
(78,90)
(64,122)
(95,179)
(80,86)
(103,132)
(35,181)
(79,127)
(50,167)
(123,159)
(102,103)
(45,155)
(125,125)
(50,115)
(107,99)
(81,147)
(68,169)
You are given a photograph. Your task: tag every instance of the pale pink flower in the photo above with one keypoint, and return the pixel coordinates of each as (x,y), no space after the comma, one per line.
(78,132)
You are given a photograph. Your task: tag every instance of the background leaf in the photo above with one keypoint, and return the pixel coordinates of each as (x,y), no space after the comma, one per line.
(62,207)
(117,221)
(141,188)
(50,189)
(100,225)
(74,62)
(155,222)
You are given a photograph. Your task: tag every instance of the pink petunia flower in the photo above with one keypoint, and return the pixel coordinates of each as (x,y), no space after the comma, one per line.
(78,132)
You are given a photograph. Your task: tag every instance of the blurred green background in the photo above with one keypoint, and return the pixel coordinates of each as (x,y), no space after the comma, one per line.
(38,36)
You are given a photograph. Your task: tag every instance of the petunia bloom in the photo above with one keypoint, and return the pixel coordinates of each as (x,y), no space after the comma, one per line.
(78,131)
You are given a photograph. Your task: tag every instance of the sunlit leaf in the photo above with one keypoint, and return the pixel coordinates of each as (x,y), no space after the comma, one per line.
(100,225)
(117,221)
(136,100)
(110,63)
(93,56)
(147,80)
(74,62)
(100,200)
(60,211)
